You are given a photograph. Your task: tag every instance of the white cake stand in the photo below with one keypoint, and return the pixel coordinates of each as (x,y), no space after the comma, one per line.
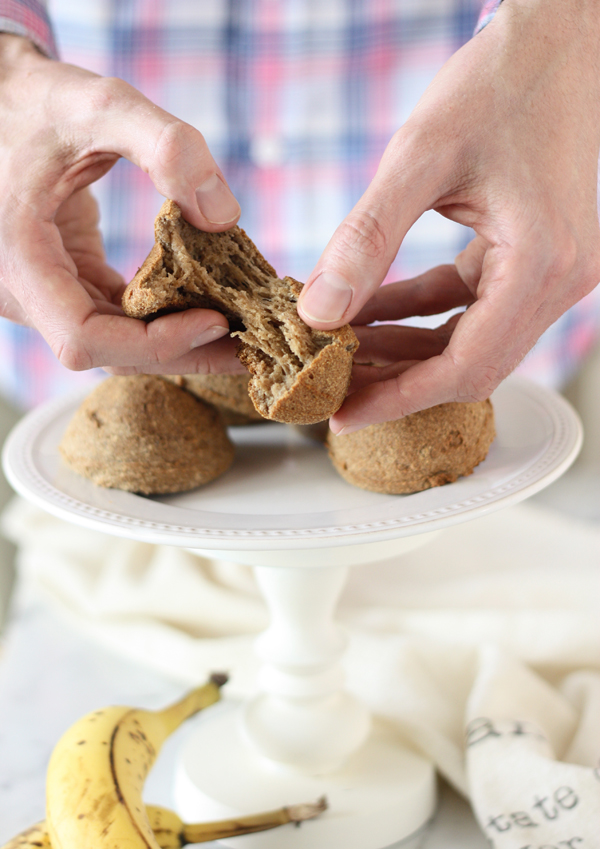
(283,510)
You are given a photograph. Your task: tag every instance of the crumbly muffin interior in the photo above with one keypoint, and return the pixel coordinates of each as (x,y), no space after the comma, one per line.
(222,272)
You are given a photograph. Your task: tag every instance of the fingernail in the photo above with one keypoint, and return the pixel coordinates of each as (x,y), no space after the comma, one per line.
(327,298)
(209,335)
(215,201)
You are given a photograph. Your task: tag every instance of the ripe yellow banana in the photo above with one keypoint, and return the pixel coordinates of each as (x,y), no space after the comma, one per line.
(97,771)
(171,833)
(35,837)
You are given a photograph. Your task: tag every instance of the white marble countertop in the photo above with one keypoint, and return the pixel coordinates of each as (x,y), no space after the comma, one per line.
(50,675)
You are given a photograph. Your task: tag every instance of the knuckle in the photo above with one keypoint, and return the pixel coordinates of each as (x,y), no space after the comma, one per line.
(421,154)
(177,139)
(573,268)
(72,354)
(406,144)
(163,342)
(408,139)
(444,332)
(103,93)
(478,382)
(565,255)
(590,276)
(362,233)
(403,403)
(568,253)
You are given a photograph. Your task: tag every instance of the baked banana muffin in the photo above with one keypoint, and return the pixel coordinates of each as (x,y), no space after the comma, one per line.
(144,434)
(227,392)
(426,449)
(299,375)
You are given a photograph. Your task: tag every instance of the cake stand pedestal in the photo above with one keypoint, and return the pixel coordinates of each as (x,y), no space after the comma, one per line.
(302,736)
(283,510)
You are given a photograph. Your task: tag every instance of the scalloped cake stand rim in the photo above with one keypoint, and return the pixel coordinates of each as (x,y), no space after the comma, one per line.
(539,436)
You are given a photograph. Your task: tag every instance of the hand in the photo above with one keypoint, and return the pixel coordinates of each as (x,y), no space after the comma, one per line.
(61,128)
(506,141)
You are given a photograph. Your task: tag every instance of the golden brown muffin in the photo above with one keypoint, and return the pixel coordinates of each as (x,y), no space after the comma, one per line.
(430,448)
(227,392)
(299,375)
(143,434)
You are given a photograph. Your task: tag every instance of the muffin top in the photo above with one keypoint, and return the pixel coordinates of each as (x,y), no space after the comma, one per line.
(143,434)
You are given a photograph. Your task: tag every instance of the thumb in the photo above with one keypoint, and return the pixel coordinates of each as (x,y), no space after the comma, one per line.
(360,252)
(173,153)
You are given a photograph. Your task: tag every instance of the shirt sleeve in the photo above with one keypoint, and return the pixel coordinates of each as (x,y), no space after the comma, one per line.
(29,18)
(488,11)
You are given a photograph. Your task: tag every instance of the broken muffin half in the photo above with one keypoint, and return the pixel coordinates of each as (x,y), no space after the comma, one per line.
(299,375)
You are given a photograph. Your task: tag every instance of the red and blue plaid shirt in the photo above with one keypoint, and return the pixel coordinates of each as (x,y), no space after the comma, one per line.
(297,101)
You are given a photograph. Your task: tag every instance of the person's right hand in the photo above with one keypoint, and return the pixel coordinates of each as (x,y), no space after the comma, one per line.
(62,128)
(504,140)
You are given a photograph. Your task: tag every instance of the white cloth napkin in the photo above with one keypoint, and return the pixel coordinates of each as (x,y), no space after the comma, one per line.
(483,647)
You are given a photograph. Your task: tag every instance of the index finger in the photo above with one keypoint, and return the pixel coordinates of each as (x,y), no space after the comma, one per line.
(360,252)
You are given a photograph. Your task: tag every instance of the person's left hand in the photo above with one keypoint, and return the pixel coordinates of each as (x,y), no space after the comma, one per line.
(61,129)
(506,141)
(77,222)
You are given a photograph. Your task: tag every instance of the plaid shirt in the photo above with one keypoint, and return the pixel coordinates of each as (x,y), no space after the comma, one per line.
(297,101)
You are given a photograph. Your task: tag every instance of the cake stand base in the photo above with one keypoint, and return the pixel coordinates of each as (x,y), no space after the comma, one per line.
(384,792)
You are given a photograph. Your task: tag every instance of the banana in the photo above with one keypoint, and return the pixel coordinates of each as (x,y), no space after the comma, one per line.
(97,771)
(35,837)
(171,832)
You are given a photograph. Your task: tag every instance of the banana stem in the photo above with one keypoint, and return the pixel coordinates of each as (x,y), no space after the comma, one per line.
(205,831)
(171,833)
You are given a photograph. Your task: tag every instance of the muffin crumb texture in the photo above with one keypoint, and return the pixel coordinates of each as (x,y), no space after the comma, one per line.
(299,375)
